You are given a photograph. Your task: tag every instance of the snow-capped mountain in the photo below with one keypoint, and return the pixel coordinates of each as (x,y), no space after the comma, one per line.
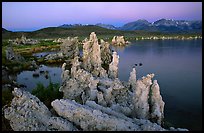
(162,25)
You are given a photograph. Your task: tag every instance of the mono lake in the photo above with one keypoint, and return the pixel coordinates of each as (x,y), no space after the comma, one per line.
(42,54)
(177,65)
(26,77)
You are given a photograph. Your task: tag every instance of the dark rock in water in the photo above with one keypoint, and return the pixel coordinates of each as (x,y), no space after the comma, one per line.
(135,64)
(36,75)
(46,76)
(140,64)
(41,71)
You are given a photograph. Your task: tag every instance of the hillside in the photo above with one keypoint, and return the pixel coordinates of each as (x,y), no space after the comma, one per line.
(80,31)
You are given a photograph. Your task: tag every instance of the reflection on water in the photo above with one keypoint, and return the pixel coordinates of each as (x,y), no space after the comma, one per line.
(177,65)
(42,54)
(26,77)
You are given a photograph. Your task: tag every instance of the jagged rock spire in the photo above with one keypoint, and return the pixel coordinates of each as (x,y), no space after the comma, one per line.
(132,79)
(113,66)
(157,104)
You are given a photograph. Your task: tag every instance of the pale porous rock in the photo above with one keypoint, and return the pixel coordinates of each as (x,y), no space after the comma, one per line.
(94,117)
(106,55)
(79,83)
(75,66)
(68,49)
(113,66)
(106,103)
(90,119)
(83,85)
(11,55)
(88,53)
(101,100)
(140,100)
(131,99)
(107,91)
(65,73)
(106,110)
(59,40)
(141,96)
(118,40)
(28,113)
(23,40)
(92,56)
(144,124)
(54,56)
(157,104)
(132,79)
(143,92)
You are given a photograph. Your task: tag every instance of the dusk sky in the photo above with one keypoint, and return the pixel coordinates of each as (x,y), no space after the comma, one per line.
(29,16)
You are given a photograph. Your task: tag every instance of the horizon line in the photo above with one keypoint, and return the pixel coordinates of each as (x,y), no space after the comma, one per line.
(31,30)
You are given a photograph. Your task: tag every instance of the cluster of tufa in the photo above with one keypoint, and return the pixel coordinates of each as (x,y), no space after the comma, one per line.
(94,99)
(68,49)
(11,55)
(119,41)
(23,40)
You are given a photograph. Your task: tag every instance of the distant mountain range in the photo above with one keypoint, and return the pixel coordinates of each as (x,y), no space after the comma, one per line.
(162,25)
(140,27)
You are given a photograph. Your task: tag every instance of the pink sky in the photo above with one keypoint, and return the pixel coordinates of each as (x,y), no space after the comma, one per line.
(36,15)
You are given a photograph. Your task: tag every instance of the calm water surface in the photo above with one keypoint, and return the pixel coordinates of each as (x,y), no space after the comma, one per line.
(26,77)
(177,65)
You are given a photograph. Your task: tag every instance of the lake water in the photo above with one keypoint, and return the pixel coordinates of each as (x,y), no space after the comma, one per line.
(26,77)
(42,54)
(177,65)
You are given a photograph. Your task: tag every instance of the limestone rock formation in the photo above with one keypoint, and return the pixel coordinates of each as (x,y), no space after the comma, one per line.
(11,55)
(60,40)
(82,84)
(54,56)
(157,104)
(132,79)
(106,55)
(140,99)
(23,40)
(93,99)
(113,66)
(88,52)
(92,56)
(118,40)
(28,113)
(78,82)
(90,119)
(143,92)
(68,49)
(141,96)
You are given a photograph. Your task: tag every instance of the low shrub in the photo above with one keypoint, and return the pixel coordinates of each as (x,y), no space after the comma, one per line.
(47,94)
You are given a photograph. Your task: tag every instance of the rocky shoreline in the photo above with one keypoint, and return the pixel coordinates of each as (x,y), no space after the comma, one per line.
(94,99)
